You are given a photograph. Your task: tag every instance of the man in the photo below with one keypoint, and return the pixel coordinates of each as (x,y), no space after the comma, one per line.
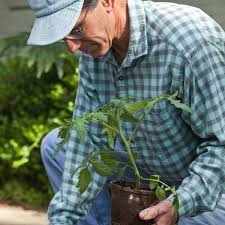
(142,49)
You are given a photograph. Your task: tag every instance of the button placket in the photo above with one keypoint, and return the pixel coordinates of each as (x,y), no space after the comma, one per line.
(120,77)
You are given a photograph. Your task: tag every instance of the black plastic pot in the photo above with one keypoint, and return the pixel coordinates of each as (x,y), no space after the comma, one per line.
(127,202)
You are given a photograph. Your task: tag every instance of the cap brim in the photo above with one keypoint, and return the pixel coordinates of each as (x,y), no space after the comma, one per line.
(54,27)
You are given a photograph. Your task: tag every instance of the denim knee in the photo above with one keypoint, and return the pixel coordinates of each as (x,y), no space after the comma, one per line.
(54,164)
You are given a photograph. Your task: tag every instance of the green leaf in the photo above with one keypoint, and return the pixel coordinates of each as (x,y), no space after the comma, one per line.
(176,202)
(111,137)
(80,127)
(122,172)
(150,105)
(108,157)
(100,117)
(84,180)
(177,103)
(101,168)
(129,117)
(64,134)
(160,193)
(136,106)
(153,184)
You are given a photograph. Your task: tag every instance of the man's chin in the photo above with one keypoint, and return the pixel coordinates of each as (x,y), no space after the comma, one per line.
(98,54)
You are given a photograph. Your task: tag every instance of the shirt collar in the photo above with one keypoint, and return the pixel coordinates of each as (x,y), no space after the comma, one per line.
(138,34)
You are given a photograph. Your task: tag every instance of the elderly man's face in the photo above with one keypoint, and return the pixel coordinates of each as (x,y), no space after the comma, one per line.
(97,31)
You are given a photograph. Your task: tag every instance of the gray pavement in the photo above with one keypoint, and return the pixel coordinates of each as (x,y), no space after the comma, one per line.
(11,215)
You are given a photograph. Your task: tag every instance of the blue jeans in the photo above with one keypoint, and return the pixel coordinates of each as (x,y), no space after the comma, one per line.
(100,213)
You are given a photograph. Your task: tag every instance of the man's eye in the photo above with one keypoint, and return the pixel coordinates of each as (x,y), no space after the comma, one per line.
(77,30)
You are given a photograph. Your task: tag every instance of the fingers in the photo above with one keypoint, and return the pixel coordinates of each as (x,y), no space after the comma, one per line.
(149,213)
(157,210)
(163,213)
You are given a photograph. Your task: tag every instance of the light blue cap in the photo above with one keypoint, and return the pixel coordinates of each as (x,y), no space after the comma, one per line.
(54,19)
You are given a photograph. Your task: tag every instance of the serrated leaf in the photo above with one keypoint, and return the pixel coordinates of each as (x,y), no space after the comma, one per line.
(108,157)
(160,193)
(179,105)
(122,172)
(101,168)
(64,134)
(84,180)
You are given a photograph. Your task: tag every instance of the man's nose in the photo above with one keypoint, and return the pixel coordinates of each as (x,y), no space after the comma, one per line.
(72,44)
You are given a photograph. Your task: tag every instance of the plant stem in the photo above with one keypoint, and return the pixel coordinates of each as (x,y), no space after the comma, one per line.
(157,180)
(123,163)
(130,155)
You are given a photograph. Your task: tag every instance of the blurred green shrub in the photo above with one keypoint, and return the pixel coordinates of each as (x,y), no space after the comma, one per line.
(37,91)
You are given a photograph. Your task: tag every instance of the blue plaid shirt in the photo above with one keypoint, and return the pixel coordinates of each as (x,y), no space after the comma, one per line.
(172,48)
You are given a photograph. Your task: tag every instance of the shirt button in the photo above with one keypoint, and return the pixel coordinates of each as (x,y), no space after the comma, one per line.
(120,78)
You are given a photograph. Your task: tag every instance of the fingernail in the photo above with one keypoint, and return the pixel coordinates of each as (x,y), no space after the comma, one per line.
(143,213)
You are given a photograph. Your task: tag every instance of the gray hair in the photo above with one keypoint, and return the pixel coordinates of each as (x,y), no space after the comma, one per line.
(90,3)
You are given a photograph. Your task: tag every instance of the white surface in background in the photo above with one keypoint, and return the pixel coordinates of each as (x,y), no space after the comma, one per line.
(17,216)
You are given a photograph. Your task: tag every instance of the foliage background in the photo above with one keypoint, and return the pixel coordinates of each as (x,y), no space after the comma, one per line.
(37,91)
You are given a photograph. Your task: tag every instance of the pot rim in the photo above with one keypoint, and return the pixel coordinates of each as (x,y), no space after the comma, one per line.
(115,184)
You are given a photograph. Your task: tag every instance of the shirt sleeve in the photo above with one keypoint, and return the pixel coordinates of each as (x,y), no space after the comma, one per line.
(68,205)
(204,92)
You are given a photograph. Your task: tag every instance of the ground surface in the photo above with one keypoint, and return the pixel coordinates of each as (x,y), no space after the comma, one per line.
(12,215)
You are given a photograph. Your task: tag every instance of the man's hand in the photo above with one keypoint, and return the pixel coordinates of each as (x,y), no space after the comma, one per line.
(164,213)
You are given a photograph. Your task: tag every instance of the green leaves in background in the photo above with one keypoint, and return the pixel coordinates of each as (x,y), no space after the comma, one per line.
(37,91)
(37,58)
